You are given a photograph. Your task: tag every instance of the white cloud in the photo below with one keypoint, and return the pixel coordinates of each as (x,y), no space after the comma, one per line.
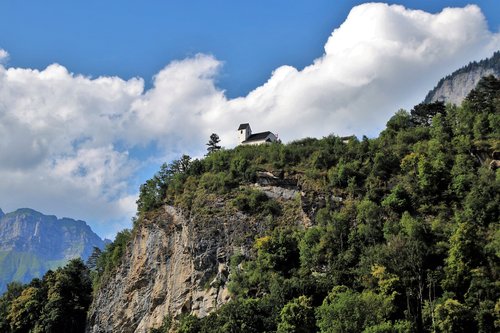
(380,59)
(4,55)
(65,138)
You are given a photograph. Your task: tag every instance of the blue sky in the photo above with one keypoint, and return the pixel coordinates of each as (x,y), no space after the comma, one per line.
(137,38)
(97,94)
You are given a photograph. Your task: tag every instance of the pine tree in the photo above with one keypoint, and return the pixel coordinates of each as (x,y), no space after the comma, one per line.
(213,144)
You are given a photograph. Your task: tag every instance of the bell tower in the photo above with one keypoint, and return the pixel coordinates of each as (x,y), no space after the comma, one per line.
(244,131)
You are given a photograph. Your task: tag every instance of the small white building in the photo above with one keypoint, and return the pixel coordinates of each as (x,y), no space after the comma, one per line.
(247,138)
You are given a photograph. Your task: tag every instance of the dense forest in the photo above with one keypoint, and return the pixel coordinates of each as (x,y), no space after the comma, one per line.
(404,233)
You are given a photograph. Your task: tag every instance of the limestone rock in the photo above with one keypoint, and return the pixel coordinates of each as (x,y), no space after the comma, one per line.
(174,264)
(455,87)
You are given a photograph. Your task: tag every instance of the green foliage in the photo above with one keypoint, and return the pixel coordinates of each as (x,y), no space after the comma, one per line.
(188,324)
(254,202)
(401,326)
(422,114)
(213,144)
(297,316)
(14,290)
(399,200)
(453,317)
(345,310)
(111,257)
(57,303)
(246,316)
(169,179)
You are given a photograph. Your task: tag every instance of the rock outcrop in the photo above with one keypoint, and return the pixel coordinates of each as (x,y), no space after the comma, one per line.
(174,264)
(178,261)
(455,87)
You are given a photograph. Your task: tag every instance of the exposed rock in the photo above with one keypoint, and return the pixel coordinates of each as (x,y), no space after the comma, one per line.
(277,192)
(267,178)
(455,87)
(494,164)
(174,264)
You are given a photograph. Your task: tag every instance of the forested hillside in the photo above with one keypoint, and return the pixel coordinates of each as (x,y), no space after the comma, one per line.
(398,233)
(404,231)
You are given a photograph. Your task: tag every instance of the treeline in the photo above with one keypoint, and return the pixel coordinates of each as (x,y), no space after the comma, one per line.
(412,245)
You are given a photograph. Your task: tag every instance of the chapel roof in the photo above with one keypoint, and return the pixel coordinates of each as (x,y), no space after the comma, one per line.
(257,137)
(243,126)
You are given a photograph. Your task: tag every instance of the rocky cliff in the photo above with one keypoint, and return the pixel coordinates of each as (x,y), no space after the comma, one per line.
(32,243)
(174,264)
(455,87)
(178,261)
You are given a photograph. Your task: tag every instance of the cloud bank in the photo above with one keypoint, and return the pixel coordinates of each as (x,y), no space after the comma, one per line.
(72,145)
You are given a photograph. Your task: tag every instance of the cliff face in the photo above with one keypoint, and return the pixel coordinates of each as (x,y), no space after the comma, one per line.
(32,243)
(455,87)
(174,264)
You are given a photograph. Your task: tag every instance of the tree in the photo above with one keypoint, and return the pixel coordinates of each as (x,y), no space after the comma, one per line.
(14,290)
(92,260)
(69,296)
(297,316)
(345,310)
(422,114)
(177,166)
(213,144)
(452,316)
(25,310)
(149,196)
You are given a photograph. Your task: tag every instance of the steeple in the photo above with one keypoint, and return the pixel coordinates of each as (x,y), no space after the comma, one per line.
(244,131)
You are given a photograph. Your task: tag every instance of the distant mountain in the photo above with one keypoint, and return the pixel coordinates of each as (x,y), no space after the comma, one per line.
(456,86)
(32,243)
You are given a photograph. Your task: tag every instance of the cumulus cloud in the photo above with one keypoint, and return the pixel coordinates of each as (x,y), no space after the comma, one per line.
(71,145)
(380,59)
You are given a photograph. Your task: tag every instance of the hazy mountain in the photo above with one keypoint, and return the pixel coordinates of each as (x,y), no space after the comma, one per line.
(455,87)
(32,243)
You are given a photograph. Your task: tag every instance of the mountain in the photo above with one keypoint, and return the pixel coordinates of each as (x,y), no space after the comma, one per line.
(32,243)
(456,86)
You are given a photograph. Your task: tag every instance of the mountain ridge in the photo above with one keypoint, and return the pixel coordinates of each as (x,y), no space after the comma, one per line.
(454,87)
(32,243)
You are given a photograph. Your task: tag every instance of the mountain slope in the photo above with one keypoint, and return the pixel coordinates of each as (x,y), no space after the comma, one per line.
(32,243)
(456,86)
